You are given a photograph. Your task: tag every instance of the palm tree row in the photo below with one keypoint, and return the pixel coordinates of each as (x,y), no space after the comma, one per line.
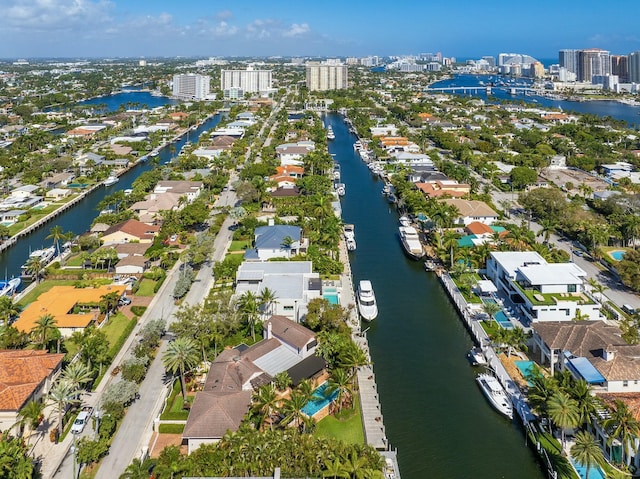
(248,452)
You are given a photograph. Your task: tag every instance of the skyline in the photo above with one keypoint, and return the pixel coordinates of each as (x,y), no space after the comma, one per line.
(162,28)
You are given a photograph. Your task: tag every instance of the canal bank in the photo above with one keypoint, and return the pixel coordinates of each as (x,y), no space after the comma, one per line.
(79,217)
(434,414)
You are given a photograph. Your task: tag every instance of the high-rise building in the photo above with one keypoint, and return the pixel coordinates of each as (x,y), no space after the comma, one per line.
(593,61)
(322,76)
(491,60)
(620,67)
(249,80)
(634,67)
(568,59)
(191,86)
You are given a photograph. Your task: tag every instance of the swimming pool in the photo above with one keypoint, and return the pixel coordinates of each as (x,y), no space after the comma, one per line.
(526,368)
(332,298)
(618,254)
(594,471)
(319,400)
(500,317)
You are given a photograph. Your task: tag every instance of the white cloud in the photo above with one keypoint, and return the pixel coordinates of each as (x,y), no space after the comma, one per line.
(224,15)
(47,15)
(297,29)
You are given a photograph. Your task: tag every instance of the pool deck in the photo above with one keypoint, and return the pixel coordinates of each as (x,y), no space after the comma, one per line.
(372,419)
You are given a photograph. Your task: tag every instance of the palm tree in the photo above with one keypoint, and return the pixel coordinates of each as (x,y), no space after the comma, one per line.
(596,287)
(548,227)
(292,410)
(33,267)
(563,411)
(586,451)
(491,309)
(43,329)
(267,299)
(138,469)
(516,339)
(340,381)
(580,316)
(250,310)
(622,425)
(181,355)
(62,395)
(265,401)
(56,233)
(30,415)
(541,391)
(77,374)
(334,469)
(588,404)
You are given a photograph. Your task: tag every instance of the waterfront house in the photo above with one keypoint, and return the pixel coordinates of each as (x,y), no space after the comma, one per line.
(150,209)
(292,153)
(25,191)
(25,375)
(276,241)
(591,350)
(189,189)
(132,265)
(542,291)
(128,231)
(382,130)
(234,374)
(293,282)
(472,210)
(438,188)
(57,180)
(73,308)
(88,161)
(11,216)
(56,194)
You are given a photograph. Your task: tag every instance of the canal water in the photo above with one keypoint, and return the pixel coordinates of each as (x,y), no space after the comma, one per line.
(614,109)
(433,411)
(79,218)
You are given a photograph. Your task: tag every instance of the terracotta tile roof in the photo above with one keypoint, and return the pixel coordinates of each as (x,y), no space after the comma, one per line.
(477,228)
(59,302)
(288,170)
(632,400)
(134,228)
(431,190)
(21,373)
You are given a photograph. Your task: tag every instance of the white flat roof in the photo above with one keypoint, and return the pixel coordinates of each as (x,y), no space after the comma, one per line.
(553,273)
(510,261)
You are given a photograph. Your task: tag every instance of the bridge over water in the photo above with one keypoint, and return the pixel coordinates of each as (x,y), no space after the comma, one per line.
(488,90)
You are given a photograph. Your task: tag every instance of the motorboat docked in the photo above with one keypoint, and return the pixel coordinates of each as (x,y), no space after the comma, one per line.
(366,298)
(330,134)
(476,357)
(111,180)
(495,393)
(341,189)
(357,146)
(411,242)
(7,288)
(349,237)
(404,221)
(45,256)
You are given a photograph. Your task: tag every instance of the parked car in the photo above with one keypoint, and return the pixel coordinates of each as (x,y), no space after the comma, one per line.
(124,301)
(81,420)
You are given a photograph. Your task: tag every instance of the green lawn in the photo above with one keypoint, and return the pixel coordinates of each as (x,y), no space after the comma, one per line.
(490,327)
(146,287)
(349,429)
(115,326)
(239,245)
(75,260)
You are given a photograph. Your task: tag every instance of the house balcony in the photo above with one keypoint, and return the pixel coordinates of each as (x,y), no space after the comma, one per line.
(535,298)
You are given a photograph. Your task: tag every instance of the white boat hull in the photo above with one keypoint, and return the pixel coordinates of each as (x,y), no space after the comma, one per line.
(495,394)
(367,305)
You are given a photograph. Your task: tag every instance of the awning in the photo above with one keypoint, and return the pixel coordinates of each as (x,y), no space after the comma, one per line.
(486,286)
(581,367)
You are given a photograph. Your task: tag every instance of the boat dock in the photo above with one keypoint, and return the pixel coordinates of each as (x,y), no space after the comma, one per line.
(482,339)
(372,418)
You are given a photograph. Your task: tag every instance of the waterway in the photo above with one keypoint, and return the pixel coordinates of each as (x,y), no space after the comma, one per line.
(434,413)
(614,109)
(79,218)
(130,98)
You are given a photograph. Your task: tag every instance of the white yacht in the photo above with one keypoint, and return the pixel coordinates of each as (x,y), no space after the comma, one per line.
(330,134)
(111,180)
(367,305)
(404,221)
(495,393)
(411,242)
(349,236)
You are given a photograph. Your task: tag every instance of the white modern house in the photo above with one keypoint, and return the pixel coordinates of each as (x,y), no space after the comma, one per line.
(542,291)
(292,153)
(293,282)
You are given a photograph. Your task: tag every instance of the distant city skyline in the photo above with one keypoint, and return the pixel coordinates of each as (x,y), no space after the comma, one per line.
(464,28)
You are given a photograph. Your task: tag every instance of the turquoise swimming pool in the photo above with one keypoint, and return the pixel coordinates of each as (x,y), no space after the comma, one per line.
(332,298)
(618,254)
(526,368)
(500,317)
(319,400)
(594,471)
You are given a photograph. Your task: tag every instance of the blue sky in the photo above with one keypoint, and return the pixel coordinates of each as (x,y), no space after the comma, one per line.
(461,28)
